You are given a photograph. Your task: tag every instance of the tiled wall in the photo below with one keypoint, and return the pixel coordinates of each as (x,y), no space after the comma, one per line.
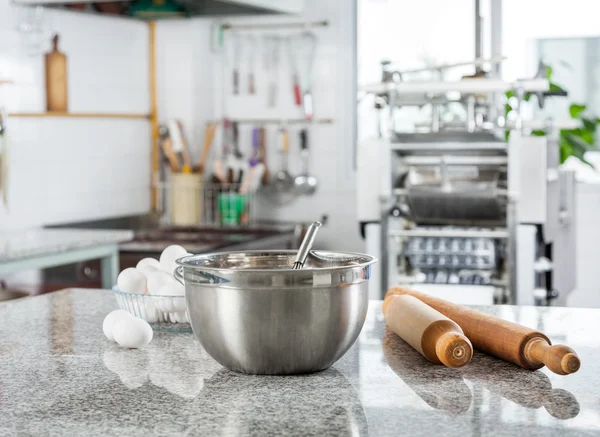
(64,169)
(332,146)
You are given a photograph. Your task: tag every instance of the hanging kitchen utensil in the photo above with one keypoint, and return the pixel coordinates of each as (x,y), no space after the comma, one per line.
(302,51)
(238,164)
(263,155)
(254,164)
(250,52)
(284,182)
(295,77)
(272,49)
(208,140)
(306,245)
(304,183)
(235,51)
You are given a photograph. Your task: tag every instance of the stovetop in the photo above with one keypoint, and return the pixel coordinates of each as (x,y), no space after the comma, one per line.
(198,240)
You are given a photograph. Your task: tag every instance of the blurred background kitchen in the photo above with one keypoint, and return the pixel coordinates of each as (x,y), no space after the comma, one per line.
(453,140)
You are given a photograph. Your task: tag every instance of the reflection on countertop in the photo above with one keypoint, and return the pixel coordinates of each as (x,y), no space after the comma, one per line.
(61,376)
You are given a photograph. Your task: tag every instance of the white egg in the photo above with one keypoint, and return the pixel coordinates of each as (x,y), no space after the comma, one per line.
(169,256)
(111,319)
(172,288)
(158,280)
(148,266)
(131,280)
(132,333)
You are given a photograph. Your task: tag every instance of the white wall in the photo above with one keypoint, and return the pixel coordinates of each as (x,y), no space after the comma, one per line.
(65,170)
(524,21)
(194,95)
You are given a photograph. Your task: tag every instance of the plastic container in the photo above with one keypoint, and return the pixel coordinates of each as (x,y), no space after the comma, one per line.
(232,208)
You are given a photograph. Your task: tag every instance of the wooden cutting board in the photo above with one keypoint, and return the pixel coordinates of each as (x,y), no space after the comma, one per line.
(56,79)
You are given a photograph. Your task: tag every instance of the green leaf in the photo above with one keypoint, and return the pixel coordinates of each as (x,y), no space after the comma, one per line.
(538,133)
(554,87)
(565,150)
(589,124)
(527,96)
(507,109)
(588,137)
(548,72)
(577,149)
(565,132)
(575,110)
(578,144)
(509,94)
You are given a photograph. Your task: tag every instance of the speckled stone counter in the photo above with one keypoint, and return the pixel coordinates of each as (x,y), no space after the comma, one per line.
(60,376)
(15,245)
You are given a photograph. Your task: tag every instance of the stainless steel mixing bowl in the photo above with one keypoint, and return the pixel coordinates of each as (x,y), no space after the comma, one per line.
(254,314)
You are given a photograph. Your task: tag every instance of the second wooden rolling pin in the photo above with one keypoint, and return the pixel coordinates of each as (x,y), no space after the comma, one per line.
(432,334)
(506,340)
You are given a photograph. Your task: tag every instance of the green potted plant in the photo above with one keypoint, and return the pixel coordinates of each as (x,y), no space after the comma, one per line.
(572,142)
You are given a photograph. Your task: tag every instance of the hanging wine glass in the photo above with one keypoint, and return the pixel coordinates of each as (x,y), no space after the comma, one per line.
(35,29)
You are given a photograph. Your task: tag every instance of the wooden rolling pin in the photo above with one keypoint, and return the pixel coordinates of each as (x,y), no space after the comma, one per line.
(506,340)
(432,334)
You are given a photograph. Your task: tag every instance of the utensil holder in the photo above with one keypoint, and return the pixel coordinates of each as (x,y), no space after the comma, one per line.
(184,202)
(187,201)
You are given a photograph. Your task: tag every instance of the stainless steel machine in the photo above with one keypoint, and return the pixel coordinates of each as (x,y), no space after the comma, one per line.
(469,206)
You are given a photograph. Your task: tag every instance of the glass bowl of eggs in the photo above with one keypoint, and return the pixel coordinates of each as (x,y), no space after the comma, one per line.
(150,291)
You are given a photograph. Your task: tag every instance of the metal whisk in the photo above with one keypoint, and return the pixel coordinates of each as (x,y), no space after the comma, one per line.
(306,245)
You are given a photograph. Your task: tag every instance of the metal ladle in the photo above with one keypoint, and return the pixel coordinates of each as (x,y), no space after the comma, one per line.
(306,245)
(305,183)
(284,182)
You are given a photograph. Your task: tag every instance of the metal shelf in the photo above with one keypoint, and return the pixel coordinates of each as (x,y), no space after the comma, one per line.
(279,121)
(449,146)
(454,232)
(270,26)
(78,115)
(456,160)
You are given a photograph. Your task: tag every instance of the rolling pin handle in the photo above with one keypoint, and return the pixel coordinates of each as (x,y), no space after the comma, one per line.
(559,358)
(454,349)
(432,334)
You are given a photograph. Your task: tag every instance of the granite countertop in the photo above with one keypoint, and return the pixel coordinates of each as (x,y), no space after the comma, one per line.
(60,376)
(35,242)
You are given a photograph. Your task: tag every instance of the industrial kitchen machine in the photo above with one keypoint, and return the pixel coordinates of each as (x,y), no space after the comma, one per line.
(468,205)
